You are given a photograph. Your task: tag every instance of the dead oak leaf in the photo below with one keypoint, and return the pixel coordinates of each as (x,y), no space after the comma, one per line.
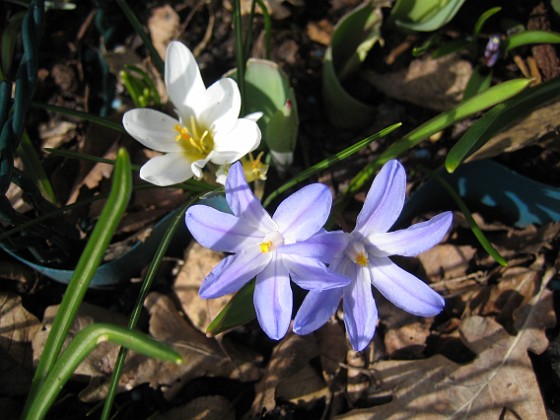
(499,380)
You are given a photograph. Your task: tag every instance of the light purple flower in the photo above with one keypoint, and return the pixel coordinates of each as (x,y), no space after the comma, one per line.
(366,261)
(290,244)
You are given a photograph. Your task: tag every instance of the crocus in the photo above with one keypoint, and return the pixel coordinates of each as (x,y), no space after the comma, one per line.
(208,128)
(290,244)
(365,260)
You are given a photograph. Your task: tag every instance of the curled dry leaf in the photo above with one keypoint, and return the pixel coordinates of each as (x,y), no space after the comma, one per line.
(199,262)
(202,356)
(437,84)
(288,359)
(499,380)
(17,329)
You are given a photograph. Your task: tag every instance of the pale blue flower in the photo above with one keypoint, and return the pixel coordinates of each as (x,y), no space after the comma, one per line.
(290,244)
(366,261)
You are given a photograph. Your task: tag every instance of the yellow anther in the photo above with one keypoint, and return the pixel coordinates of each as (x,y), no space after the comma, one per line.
(361,259)
(265,246)
(183,133)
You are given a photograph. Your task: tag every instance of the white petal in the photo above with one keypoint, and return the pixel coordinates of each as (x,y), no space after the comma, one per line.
(244,137)
(183,80)
(223,103)
(254,116)
(153,129)
(166,170)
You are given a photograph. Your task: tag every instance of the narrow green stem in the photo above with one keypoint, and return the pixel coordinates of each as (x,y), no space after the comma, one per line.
(87,265)
(79,348)
(135,315)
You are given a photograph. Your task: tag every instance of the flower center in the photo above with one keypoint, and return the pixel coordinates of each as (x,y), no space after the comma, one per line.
(271,242)
(196,141)
(356,251)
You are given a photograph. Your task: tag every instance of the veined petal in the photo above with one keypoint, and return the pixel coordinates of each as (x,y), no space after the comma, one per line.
(183,80)
(223,103)
(317,308)
(243,203)
(413,240)
(303,213)
(311,274)
(220,231)
(323,246)
(384,201)
(244,137)
(273,299)
(360,311)
(404,290)
(166,170)
(153,129)
(232,273)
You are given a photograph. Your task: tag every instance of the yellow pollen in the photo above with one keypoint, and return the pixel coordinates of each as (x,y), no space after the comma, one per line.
(361,259)
(183,134)
(265,246)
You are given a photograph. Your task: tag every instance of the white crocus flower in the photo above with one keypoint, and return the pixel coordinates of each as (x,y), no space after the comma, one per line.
(208,128)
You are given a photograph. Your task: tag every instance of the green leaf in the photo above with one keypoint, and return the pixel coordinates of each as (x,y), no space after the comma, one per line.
(477,103)
(500,117)
(268,90)
(531,37)
(482,20)
(424,15)
(79,348)
(89,261)
(238,311)
(354,35)
(480,80)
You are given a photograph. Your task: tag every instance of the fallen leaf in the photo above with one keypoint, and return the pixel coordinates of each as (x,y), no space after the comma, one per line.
(289,357)
(447,261)
(437,84)
(500,380)
(17,329)
(164,27)
(530,130)
(212,407)
(199,262)
(202,356)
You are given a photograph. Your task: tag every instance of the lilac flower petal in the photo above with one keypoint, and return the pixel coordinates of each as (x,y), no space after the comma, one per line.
(413,240)
(223,103)
(360,311)
(323,246)
(243,203)
(168,169)
(183,80)
(153,129)
(384,201)
(273,299)
(317,308)
(405,290)
(221,231)
(303,213)
(232,273)
(310,274)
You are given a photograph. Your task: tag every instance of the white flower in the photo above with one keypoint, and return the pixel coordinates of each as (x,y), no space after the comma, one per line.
(208,128)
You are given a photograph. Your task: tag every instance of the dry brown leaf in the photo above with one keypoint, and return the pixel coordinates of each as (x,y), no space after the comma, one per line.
(202,356)
(437,84)
(199,262)
(213,407)
(500,379)
(331,343)
(320,32)
(288,358)
(447,260)
(17,329)
(529,131)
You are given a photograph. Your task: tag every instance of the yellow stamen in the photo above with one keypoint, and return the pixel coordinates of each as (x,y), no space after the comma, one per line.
(196,142)
(183,133)
(361,259)
(265,246)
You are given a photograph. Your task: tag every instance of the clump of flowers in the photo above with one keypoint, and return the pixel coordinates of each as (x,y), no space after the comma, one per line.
(208,127)
(293,244)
